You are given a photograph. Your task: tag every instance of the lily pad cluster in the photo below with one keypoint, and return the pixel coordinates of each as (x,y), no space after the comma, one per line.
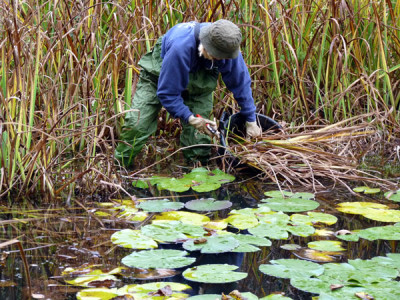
(374,278)
(199,180)
(290,202)
(370,210)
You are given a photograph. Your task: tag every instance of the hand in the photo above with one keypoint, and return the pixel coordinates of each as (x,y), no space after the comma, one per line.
(204,125)
(253,130)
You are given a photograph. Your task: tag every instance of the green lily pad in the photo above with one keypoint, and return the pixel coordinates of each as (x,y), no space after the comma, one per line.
(214,273)
(291,268)
(393,195)
(134,239)
(332,246)
(272,231)
(158,259)
(275,297)
(390,232)
(172,231)
(208,204)
(366,190)
(141,184)
(249,242)
(286,194)
(290,247)
(313,218)
(160,205)
(242,222)
(247,295)
(301,230)
(213,244)
(290,204)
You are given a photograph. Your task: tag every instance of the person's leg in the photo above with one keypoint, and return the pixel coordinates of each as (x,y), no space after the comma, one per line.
(200,101)
(140,124)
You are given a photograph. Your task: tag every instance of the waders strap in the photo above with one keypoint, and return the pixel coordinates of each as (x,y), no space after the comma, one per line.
(197,34)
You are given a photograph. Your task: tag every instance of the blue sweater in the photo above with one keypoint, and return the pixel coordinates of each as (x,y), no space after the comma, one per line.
(181,57)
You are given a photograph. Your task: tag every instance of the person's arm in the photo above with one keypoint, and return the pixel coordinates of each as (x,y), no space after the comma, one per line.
(173,80)
(237,79)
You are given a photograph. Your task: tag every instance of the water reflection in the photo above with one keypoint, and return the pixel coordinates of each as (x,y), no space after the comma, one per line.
(56,238)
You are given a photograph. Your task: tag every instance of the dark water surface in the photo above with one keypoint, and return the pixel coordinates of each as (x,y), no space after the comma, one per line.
(55,237)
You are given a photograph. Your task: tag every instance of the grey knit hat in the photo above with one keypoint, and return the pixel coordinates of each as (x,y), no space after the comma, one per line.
(221,39)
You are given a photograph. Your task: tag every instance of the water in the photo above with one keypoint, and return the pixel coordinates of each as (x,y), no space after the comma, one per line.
(55,236)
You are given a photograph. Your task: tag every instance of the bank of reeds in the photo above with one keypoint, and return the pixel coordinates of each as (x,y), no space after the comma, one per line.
(318,157)
(68,71)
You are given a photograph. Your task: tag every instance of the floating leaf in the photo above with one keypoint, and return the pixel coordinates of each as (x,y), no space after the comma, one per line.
(313,218)
(248,243)
(183,216)
(90,277)
(290,247)
(393,195)
(141,184)
(134,239)
(359,208)
(216,225)
(172,231)
(316,256)
(208,204)
(149,291)
(214,273)
(248,296)
(242,222)
(160,205)
(272,231)
(290,204)
(291,268)
(213,244)
(301,230)
(275,297)
(390,232)
(167,259)
(324,232)
(278,194)
(251,211)
(331,246)
(366,190)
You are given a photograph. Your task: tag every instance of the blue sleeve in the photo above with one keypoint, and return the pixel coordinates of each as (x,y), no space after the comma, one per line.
(237,79)
(173,80)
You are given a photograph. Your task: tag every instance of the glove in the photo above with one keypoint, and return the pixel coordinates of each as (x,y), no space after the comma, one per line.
(204,125)
(252,129)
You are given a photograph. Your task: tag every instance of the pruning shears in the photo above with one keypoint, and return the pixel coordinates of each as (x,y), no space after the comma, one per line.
(209,127)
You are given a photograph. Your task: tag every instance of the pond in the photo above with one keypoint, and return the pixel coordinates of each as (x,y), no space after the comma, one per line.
(80,242)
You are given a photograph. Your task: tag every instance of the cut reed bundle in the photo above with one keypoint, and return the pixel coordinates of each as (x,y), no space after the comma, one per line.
(308,156)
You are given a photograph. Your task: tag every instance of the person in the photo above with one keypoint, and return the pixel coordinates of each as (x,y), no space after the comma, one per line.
(180,74)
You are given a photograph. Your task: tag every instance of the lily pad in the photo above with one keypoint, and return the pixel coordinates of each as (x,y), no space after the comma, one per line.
(290,204)
(214,273)
(373,211)
(184,217)
(172,231)
(160,205)
(393,195)
(208,204)
(292,268)
(166,259)
(134,239)
(141,184)
(91,277)
(314,218)
(316,256)
(390,232)
(249,242)
(366,190)
(276,297)
(150,291)
(272,231)
(242,222)
(286,194)
(247,295)
(331,246)
(213,244)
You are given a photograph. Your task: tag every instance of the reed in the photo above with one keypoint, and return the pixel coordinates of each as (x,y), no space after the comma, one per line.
(68,71)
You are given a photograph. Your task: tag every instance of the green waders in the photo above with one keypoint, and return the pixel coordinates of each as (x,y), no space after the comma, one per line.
(141,124)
